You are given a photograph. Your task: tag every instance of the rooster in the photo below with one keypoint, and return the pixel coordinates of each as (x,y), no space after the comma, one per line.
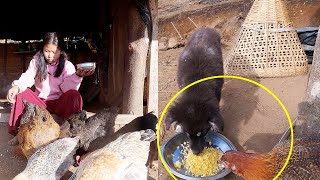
(304,162)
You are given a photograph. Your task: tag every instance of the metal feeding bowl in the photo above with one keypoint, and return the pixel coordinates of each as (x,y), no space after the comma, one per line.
(87,66)
(171,154)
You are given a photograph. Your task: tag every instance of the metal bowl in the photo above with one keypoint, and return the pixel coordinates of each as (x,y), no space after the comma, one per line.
(171,154)
(87,66)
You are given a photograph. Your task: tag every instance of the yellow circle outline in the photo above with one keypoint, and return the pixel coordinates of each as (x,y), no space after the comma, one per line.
(233,77)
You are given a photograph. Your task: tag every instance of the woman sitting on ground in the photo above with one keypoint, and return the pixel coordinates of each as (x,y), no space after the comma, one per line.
(56,84)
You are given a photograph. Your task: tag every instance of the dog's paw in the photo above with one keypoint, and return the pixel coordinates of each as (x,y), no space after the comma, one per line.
(215,128)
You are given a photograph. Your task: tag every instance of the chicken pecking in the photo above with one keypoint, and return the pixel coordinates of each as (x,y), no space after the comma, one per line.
(98,125)
(123,159)
(304,162)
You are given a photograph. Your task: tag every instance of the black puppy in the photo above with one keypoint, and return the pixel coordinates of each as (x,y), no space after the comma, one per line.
(197,109)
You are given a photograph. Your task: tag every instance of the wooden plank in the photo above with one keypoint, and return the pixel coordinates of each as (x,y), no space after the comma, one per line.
(121,119)
(3,100)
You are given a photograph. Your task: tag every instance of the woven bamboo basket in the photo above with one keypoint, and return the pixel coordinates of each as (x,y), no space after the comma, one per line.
(267,45)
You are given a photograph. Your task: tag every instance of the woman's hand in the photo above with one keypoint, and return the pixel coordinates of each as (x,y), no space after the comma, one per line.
(12,94)
(82,73)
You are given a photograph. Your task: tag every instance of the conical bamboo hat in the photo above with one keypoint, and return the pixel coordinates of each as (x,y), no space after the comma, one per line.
(267,45)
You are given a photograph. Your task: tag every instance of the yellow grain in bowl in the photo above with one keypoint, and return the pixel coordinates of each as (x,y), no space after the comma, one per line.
(202,165)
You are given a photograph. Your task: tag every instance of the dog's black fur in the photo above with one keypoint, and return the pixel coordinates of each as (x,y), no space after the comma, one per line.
(197,109)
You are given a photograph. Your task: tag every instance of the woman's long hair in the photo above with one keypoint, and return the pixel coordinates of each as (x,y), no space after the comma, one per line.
(55,39)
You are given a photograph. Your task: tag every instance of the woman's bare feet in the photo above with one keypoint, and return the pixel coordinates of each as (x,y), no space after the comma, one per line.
(13,141)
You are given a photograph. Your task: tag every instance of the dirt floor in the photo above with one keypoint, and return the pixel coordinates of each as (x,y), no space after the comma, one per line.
(11,163)
(254,121)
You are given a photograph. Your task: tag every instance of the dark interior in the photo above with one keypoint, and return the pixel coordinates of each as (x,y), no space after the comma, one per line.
(23,20)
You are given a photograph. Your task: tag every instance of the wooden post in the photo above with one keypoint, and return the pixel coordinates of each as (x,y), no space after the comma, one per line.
(112,64)
(153,64)
(135,67)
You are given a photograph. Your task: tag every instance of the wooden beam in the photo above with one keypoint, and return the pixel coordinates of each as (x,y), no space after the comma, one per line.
(135,69)
(121,119)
